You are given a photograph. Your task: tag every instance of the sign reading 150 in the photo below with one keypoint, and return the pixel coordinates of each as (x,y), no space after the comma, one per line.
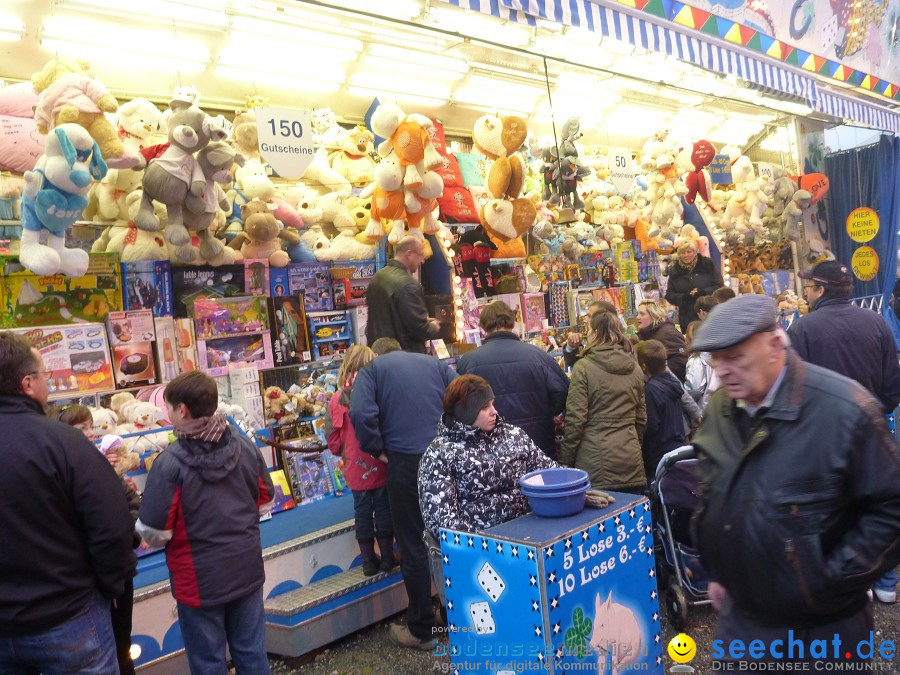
(286,128)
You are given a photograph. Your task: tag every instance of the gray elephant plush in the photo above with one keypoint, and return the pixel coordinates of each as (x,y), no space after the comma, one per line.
(176,173)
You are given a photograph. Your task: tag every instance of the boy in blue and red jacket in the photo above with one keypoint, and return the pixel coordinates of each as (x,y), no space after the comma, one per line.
(203,499)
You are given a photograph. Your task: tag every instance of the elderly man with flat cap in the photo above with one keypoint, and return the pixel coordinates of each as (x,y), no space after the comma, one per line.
(800,481)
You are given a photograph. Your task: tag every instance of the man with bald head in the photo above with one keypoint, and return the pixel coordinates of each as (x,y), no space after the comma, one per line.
(800,484)
(396,300)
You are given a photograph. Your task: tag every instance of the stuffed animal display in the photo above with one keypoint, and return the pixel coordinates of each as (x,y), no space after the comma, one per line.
(54,198)
(507,215)
(406,185)
(263,234)
(353,161)
(176,173)
(69,95)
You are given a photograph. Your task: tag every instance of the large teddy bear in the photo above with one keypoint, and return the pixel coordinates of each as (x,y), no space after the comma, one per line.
(406,186)
(353,161)
(176,173)
(244,135)
(138,119)
(262,235)
(69,95)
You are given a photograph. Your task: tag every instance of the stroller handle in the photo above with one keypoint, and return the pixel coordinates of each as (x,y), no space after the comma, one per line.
(670,458)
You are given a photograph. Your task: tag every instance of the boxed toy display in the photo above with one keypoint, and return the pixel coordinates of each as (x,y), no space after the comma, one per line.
(32,300)
(77,357)
(363,271)
(313,280)
(309,479)
(165,348)
(147,284)
(290,344)
(132,335)
(232,330)
(190,283)
(329,334)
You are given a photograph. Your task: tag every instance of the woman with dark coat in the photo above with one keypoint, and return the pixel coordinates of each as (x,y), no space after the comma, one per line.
(692,276)
(654,324)
(606,412)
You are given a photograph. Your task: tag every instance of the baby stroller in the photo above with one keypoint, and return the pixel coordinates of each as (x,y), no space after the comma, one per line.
(683,580)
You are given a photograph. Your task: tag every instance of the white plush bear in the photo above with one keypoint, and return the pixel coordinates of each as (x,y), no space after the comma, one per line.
(103,421)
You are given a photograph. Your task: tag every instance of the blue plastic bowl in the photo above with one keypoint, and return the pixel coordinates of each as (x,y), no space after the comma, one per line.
(560,478)
(557,504)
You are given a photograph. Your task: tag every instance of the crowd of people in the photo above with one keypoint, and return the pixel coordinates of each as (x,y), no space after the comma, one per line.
(800,478)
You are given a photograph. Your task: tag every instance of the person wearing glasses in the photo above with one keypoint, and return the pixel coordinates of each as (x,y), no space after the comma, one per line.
(397,302)
(852,341)
(67,530)
(800,494)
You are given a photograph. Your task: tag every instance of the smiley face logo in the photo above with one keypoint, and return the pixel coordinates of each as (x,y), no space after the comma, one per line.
(682,648)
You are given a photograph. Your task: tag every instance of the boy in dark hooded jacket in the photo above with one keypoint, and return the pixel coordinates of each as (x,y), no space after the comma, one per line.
(662,392)
(203,499)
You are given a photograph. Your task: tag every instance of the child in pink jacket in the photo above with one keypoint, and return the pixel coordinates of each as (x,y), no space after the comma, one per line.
(365,475)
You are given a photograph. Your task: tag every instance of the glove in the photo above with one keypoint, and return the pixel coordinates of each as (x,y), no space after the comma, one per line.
(598,499)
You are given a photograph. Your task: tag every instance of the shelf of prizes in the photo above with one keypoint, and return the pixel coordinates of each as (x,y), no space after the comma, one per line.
(272,338)
(551,294)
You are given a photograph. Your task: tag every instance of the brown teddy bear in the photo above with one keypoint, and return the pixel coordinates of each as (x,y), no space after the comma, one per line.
(244,136)
(279,408)
(262,235)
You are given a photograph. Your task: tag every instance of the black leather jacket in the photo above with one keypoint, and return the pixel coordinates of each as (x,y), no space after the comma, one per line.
(397,309)
(800,520)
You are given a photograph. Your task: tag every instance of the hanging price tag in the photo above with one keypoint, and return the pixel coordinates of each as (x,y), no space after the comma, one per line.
(621,169)
(285,140)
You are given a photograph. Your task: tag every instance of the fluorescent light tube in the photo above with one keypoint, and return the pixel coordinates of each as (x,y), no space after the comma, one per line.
(11,27)
(208,14)
(400,85)
(412,99)
(153,41)
(416,59)
(298,85)
(123,58)
(249,30)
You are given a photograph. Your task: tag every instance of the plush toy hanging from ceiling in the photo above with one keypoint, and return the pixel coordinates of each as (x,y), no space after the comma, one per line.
(54,197)
(69,95)
(508,215)
(569,169)
(406,187)
(176,173)
(694,160)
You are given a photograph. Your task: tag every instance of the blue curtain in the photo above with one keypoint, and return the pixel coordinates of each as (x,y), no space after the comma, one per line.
(868,176)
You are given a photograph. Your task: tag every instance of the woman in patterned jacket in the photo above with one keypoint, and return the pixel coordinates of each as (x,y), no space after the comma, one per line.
(469,475)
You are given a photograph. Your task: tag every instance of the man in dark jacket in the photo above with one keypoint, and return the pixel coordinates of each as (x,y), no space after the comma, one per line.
(529,385)
(847,339)
(395,408)
(852,341)
(690,277)
(396,300)
(662,393)
(203,500)
(66,529)
(800,482)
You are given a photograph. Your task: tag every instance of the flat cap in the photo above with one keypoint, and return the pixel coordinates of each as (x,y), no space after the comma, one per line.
(732,322)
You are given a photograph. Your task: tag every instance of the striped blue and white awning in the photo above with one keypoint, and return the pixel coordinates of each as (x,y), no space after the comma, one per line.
(846,107)
(688,46)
